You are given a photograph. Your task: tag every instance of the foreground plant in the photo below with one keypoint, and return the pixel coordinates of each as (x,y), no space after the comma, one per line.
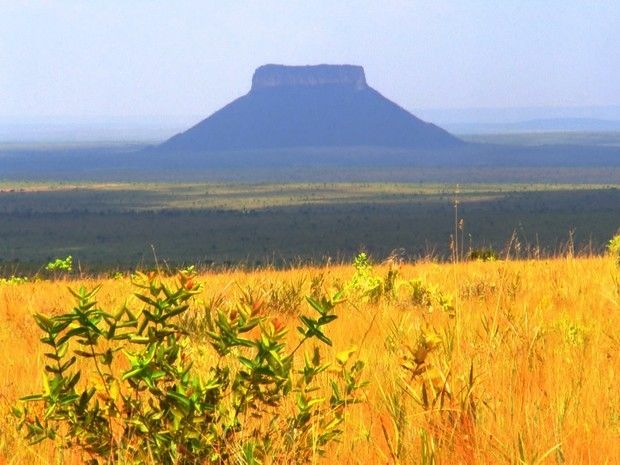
(122,388)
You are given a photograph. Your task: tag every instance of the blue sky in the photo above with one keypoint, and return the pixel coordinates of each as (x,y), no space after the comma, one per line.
(133,58)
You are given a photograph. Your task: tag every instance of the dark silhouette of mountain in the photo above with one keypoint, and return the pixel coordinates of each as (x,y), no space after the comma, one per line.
(310,106)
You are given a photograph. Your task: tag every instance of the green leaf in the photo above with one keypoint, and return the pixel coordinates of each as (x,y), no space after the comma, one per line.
(68,363)
(175,312)
(318,306)
(73,380)
(150,316)
(62,349)
(107,356)
(133,323)
(344,356)
(181,401)
(43,322)
(84,354)
(68,399)
(17,412)
(71,333)
(146,300)
(325,319)
(322,337)
(132,373)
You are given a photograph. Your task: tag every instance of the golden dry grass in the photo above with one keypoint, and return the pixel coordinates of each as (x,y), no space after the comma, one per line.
(543,338)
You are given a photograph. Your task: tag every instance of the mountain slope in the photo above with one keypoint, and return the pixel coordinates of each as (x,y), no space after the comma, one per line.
(314,106)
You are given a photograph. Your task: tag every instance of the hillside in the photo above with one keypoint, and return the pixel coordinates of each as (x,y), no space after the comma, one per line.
(310,106)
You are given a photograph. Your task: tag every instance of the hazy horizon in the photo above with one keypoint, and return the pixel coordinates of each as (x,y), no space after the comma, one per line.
(157,128)
(182,61)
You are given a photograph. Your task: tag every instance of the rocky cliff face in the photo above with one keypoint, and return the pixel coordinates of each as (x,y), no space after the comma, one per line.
(272,76)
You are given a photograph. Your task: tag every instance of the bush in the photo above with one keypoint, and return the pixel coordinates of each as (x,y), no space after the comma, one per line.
(613,247)
(364,284)
(14,280)
(60,265)
(430,297)
(483,255)
(146,403)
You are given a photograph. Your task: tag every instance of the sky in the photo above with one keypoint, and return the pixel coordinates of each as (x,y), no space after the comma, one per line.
(149,58)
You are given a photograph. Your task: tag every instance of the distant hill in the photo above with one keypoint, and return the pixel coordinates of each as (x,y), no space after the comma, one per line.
(537,126)
(310,106)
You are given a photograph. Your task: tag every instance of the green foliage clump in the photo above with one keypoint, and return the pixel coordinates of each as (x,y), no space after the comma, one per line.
(122,387)
(421,293)
(366,285)
(60,264)
(117,275)
(14,280)
(613,247)
(483,255)
(574,333)
(430,297)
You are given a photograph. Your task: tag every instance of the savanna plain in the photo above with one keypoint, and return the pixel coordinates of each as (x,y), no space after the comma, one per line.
(108,226)
(311,322)
(473,362)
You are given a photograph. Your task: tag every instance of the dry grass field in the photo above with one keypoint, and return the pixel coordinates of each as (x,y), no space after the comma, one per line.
(523,362)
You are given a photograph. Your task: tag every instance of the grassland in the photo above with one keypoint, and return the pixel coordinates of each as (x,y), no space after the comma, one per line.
(529,348)
(117,226)
(548,138)
(540,340)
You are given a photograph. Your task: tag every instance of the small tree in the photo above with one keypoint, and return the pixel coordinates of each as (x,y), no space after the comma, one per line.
(60,265)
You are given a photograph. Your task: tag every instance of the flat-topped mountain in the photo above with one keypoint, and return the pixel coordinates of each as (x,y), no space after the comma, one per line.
(269,76)
(310,106)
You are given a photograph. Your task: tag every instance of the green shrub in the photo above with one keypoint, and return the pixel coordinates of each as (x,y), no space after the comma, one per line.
(421,293)
(391,282)
(122,387)
(613,247)
(60,264)
(117,275)
(364,284)
(430,297)
(14,280)
(483,255)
